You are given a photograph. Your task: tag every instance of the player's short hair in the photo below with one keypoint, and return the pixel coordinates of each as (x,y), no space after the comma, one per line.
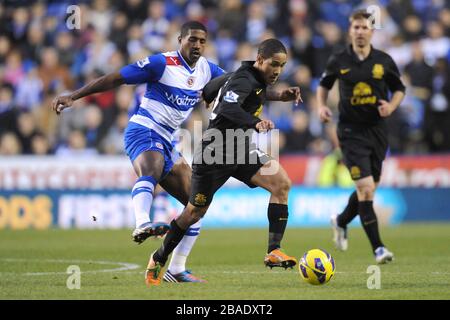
(359,14)
(192,25)
(269,47)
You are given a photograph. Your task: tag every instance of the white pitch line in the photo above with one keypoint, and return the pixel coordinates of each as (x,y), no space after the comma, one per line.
(123,266)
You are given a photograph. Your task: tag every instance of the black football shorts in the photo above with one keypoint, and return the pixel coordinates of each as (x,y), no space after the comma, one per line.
(364,149)
(208,178)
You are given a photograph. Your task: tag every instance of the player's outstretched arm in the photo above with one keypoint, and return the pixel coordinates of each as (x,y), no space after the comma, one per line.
(289,94)
(105,83)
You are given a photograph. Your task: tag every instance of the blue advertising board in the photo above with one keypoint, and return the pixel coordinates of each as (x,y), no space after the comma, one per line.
(232,207)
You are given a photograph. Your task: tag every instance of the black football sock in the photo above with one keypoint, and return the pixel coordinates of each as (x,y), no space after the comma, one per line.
(172,239)
(350,211)
(370,223)
(278,217)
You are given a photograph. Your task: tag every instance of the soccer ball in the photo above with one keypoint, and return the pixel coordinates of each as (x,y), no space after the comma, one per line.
(317,266)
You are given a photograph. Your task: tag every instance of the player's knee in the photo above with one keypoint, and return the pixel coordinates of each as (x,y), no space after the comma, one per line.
(197,213)
(366,192)
(281,188)
(147,169)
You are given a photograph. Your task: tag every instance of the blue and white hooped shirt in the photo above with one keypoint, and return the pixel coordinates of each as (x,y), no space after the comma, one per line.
(173,89)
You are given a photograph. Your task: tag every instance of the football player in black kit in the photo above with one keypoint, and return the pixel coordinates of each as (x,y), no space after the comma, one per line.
(226,151)
(365,76)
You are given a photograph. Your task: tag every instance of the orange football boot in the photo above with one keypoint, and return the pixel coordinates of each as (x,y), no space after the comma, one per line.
(277,258)
(154,273)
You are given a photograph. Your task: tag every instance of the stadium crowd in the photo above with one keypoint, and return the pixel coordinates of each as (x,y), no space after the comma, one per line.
(41,55)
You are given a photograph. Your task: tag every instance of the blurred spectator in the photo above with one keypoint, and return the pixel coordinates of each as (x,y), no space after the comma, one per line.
(135,9)
(155,27)
(19,24)
(55,77)
(94,130)
(135,42)
(40,145)
(436,45)
(301,47)
(40,58)
(118,33)
(8,111)
(34,45)
(437,115)
(100,17)
(114,140)
(9,144)
(26,130)
(13,72)
(76,146)
(331,41)
(98,53)
(298,138)
(29,91)
(5,47)
(232,17)
(412,28)
(228,46)
(65,48)
(255,22)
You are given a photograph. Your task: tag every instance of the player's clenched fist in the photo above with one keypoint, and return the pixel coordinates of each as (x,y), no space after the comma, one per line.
(265,125)
(385,108)
(325,114)
(60,103)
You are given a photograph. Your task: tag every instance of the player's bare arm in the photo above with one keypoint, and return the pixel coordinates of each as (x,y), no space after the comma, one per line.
(324,112)
(289,94)
(386,108)
(104,83)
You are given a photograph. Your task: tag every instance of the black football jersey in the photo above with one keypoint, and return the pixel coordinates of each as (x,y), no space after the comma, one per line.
(362,84)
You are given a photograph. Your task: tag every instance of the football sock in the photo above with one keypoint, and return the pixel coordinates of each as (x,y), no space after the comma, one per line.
(142,195)
(160,212)
(181,252)
(172,239)
(370,223)
(278,217)
(350,211)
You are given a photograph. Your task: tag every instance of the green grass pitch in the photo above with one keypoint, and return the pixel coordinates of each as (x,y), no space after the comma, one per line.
(33,265)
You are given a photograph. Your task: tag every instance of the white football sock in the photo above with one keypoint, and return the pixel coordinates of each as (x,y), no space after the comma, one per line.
(181,252)
(142,195)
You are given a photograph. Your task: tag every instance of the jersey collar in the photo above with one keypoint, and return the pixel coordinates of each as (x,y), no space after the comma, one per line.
(184,63)
(256,72)
(355,57)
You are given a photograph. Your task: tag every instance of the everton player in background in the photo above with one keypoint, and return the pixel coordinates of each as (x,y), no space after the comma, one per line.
(365,76)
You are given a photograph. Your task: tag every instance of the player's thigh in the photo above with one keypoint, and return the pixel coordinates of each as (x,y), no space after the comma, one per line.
(357,158)
(206,180)
(149,163)
(146,150)
(178,181)
(272,177)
